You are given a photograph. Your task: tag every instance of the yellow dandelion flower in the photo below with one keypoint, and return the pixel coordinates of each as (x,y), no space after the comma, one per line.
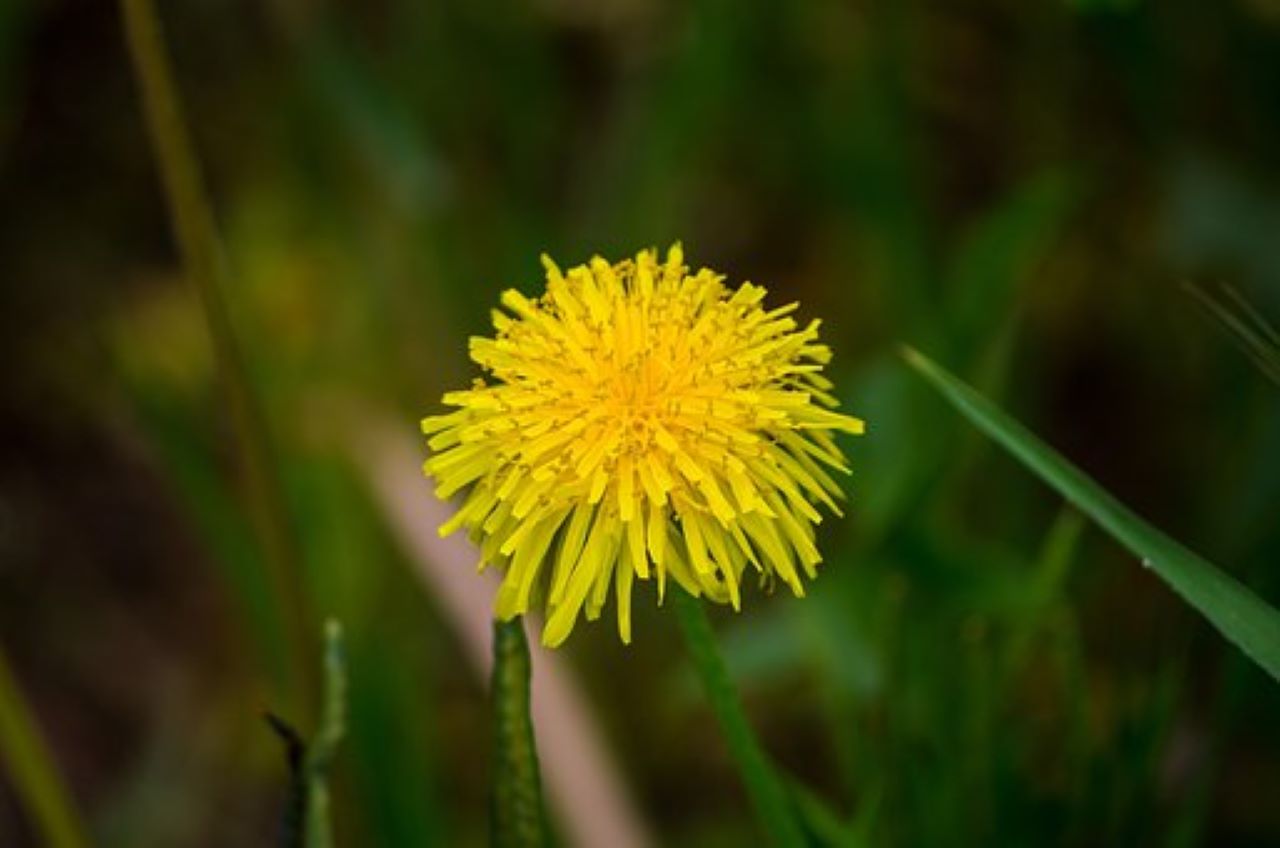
(640,421)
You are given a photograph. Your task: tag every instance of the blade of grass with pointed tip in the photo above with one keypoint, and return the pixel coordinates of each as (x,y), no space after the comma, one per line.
(1239,614)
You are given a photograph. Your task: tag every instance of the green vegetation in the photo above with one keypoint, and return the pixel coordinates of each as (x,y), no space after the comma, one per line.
(208,432)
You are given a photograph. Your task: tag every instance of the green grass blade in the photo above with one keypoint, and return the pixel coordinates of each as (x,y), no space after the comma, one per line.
(825,827)
(775,809)
(1240,615)
(32,771)
(197,238)
(1257,338)
(519,820)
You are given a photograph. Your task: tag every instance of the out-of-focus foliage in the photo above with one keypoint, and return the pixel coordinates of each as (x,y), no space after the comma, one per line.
(1022,189)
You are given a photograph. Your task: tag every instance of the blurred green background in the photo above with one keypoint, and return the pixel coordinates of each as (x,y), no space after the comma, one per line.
(1020,189)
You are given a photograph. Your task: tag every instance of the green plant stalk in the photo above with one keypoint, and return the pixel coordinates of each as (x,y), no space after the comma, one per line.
(32,771)
(320,753)
(194,228)
(517,812)
(1239,614)
(773,806)
(306,816)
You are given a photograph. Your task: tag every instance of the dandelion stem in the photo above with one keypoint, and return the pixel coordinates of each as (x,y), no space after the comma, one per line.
(518,820)
(32,771)
(775,810)
(194,228)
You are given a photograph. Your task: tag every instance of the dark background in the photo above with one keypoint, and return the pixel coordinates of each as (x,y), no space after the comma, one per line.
(1021,189)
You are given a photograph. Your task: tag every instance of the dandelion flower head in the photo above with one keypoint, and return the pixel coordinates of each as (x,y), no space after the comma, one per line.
(640,421)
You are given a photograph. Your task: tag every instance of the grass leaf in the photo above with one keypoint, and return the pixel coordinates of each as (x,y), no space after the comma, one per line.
(197,238)
(1240,615)
(27,764)
(1257,338)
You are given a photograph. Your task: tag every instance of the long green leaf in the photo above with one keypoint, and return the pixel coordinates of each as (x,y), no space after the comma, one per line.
(197,238)
(1240,615)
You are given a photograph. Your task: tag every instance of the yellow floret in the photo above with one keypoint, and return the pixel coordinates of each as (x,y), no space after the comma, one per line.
(640,420)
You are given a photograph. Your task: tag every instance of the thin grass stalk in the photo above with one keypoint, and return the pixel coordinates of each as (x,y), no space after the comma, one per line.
(306,820)
(1250,331)
(32,770)
(518,815)
(196,233)
(773,806)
